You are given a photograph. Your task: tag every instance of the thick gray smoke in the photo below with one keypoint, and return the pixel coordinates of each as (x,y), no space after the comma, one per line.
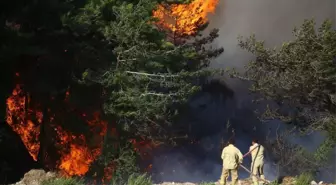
(270,20)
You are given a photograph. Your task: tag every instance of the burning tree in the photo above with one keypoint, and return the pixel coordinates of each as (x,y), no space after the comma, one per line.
(183,20)
(102,82)
(150,79)
(39,129)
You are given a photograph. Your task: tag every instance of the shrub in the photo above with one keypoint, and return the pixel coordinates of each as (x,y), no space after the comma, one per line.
(207,183)
(63,181)
(134,179)
(139,180)
(304,179)
(274,183)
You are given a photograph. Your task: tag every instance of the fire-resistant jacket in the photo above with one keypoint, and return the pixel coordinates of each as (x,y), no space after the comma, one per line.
(232,157)
(257,154)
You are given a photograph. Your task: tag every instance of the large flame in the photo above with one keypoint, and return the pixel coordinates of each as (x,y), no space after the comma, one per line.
(77,152)
(19,117)
(76,155)
(77,158)
(185,19)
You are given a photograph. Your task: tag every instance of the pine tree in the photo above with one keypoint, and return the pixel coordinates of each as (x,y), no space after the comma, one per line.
(300,76)
(148,78)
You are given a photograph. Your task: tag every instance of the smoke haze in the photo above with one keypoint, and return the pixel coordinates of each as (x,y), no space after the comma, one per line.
(270,20)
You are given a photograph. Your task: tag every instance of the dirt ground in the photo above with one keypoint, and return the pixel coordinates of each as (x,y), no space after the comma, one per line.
(36,176)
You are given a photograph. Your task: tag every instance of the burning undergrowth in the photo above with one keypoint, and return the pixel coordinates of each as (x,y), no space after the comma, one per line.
(76,151)
(64,138)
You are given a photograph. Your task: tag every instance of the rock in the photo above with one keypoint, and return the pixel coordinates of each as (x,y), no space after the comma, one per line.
(286,181)
(36,177)
(315,183)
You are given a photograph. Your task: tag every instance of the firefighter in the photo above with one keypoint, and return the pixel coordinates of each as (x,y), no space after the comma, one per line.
(232,158)
(257,165)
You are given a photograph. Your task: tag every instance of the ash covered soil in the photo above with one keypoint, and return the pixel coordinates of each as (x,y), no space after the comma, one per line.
(240,182)
(284,181)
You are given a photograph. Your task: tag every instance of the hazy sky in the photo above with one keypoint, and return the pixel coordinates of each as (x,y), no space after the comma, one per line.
(271,20)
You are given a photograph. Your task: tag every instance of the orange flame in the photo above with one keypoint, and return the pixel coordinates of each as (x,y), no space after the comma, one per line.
(77,152)
(18,116)
(76,155)
(77,162)
(185,19)
(76,159)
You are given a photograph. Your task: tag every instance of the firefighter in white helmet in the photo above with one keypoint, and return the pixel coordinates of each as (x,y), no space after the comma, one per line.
(232,158)
(257,165)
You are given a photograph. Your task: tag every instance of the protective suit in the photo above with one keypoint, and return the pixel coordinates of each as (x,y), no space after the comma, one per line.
(257,166)
(232,157)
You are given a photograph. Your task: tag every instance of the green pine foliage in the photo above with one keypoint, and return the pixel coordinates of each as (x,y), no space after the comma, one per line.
(148,78)
(301,72)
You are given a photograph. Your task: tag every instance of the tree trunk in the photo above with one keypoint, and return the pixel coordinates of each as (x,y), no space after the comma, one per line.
(48,155)
(42,152)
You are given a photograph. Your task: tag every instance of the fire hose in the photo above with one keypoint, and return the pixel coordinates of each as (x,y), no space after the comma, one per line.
(246,169)
(267,182)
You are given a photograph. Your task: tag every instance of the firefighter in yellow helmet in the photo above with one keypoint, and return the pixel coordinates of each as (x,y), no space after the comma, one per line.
(257,166)
(232,158)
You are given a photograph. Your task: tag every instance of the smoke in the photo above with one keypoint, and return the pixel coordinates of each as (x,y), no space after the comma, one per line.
(272,21)
(201,162)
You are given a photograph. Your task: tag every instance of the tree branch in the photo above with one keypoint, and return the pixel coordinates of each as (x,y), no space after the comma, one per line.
(148,74)
(158,94)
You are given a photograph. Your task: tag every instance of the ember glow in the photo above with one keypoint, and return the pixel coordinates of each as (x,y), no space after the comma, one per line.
(108,173)
(185,19)
(144,147)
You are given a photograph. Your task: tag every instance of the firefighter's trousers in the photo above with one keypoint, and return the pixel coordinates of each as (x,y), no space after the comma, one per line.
(225,176)
(257,170)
